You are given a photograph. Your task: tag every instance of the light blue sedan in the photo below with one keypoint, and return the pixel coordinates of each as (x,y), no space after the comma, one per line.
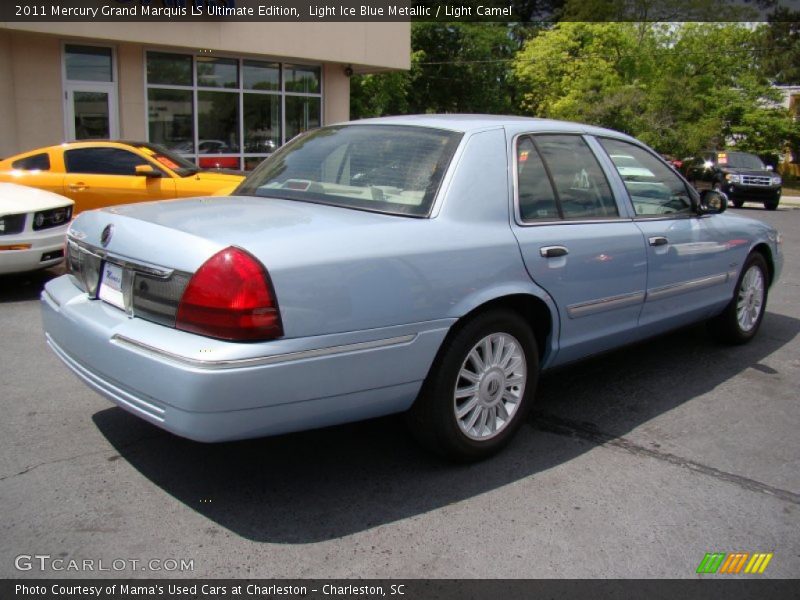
(432,265)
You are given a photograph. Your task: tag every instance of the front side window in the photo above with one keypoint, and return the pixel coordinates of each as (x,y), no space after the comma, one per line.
(37,162)
(382,168)
(654,188)
(102,161)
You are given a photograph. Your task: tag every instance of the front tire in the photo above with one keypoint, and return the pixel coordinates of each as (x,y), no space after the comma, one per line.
(741,319)
(479,389)
(771,204)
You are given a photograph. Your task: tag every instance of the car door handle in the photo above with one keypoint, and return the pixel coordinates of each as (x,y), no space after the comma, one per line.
(77,187)
(658,240)
(553,251)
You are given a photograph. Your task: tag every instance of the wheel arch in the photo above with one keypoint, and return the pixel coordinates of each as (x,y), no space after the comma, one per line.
(765,251)
(538,311)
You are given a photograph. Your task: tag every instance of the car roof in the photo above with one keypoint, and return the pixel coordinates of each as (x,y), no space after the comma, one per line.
(466,123)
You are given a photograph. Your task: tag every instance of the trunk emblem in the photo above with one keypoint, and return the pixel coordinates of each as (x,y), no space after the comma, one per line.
(105,237)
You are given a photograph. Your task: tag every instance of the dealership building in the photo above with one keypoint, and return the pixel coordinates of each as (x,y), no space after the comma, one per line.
(221,93)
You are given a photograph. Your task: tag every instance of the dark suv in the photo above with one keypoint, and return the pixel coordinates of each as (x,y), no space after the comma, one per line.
(742,176)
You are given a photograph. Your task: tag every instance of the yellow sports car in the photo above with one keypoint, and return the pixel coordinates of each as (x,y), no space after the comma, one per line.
(96,174)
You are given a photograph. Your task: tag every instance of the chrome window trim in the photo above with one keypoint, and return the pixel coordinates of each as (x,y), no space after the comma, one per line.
(261,360)
(691,285)
(584,309)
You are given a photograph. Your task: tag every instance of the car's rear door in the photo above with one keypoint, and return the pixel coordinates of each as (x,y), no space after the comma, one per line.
(103,176)
(578,242)
(691,260)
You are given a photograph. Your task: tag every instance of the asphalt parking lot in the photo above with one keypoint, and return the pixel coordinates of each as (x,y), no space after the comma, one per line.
(634,464)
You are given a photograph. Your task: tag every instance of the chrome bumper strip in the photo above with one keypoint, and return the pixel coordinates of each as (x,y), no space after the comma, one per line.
(603,304)
(261,360)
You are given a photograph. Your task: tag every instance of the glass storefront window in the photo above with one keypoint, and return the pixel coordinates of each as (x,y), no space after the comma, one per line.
(259,75)
(88,63)
(169,69)
(217,72)
(171,119)
(217,122)
(302,114)
(227,112)
(262,123)
(302,79)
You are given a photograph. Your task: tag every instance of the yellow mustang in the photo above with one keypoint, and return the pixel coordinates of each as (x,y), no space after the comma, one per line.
(101,173)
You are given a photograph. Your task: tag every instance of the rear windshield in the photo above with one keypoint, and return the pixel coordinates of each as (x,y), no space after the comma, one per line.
(382,168)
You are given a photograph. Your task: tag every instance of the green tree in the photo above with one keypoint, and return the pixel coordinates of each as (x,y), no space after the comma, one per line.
(680,88)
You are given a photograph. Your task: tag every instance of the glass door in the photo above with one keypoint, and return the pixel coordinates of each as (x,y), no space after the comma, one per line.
(90,93)
(91,113)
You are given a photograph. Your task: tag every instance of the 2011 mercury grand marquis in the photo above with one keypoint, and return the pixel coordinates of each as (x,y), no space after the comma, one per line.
(429,264)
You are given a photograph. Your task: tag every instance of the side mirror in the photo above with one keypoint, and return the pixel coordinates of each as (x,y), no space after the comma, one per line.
(770,168)
(147,171)
(712,202)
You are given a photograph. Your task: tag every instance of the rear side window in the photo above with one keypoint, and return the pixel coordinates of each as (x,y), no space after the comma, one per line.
(36,162)
(102,161)
(654,188)
(560,178)
(536,197)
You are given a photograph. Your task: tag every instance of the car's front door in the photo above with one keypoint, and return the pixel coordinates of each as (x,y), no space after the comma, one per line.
(102,176)
(577,244)
(689,258)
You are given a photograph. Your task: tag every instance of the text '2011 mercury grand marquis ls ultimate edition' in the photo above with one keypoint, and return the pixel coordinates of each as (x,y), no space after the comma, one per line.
(432,265)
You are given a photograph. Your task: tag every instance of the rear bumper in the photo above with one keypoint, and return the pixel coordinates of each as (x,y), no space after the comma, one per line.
(42,244)
(210,390)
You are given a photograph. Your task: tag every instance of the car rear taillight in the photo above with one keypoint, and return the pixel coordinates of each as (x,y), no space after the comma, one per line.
(230,297)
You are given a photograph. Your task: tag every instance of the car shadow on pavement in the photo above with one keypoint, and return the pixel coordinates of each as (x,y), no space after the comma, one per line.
(320,485)
(20,287)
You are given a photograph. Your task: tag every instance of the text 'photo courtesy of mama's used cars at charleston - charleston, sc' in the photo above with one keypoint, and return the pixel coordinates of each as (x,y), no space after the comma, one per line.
(432,265)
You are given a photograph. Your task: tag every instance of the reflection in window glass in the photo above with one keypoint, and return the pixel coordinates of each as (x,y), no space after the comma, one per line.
(262,123)
(259,75)
(302,114)
(169,69)
(88,63)
(653,187)
(91,115)
(218,122)
(536,197)
(302,79)
(170,119)
(583,192)
(217,72)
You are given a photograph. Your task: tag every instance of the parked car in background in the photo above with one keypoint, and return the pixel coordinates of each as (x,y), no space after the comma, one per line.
(432,265)
(98,173)
(33,228)
(742,176)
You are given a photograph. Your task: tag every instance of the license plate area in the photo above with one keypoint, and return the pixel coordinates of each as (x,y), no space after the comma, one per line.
(111,290)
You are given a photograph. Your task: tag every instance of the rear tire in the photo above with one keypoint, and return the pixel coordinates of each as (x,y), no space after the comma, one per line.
(479,389)
(738,203)
(741,319)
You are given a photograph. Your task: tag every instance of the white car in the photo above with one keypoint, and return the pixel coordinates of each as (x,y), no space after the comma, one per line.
(33,226)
